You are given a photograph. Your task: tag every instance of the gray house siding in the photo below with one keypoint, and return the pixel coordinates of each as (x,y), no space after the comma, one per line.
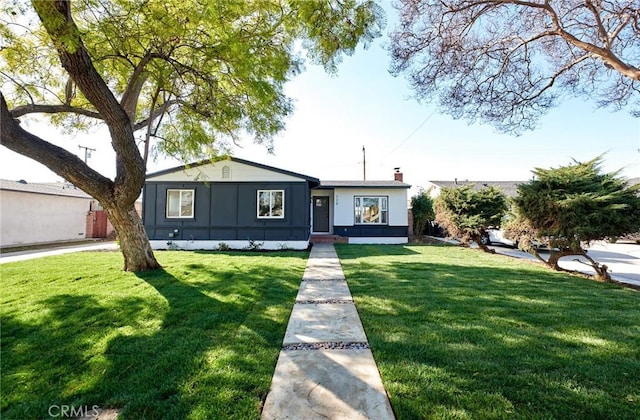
(360,231)
(227,211)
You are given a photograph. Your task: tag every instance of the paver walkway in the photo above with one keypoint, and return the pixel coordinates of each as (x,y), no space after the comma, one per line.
(325,369)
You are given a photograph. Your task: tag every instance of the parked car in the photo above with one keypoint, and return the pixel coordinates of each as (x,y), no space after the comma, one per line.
(495,236)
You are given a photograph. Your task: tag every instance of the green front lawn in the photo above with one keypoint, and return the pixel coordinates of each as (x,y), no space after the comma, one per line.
(198,339)
(460,334)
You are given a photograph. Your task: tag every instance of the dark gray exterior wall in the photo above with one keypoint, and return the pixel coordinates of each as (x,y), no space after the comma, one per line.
(227,211)
(363,231)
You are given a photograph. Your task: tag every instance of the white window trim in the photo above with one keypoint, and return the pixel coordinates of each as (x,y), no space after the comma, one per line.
(193,200)
(270,203)
(382,209)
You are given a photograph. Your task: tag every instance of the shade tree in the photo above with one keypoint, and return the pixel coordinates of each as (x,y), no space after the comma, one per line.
(183,78)
(507,62)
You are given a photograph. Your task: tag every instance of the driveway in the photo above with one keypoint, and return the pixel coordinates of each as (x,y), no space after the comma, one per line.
(39,253)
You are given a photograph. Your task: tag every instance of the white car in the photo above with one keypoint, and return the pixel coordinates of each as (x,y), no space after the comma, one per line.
(496,237)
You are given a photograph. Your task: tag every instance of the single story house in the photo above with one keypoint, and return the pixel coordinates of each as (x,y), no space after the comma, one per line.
(236,203)
(36,213)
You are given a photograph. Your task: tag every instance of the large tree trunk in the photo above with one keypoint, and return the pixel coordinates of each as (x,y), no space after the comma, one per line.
(117,199)
(135,247)
(118,196)
(601,270)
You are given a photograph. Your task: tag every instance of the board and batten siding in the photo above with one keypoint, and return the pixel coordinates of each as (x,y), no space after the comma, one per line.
(225,207)
(227,212)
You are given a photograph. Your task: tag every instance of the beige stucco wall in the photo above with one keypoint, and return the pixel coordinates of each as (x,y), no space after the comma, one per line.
(28,218)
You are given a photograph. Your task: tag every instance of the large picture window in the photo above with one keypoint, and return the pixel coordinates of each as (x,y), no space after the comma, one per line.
(180,203)
(270,204)
(371,210)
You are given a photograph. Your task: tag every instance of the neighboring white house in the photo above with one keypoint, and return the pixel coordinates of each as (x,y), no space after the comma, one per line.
(33,213)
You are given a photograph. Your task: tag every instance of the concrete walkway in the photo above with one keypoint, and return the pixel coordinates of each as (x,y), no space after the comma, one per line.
(325,369)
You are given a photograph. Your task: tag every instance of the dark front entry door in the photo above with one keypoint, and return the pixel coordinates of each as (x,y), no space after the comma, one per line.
(321,214)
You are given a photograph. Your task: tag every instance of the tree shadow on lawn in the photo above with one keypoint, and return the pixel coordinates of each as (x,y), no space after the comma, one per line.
(355,251)
(199,355)
(500,342)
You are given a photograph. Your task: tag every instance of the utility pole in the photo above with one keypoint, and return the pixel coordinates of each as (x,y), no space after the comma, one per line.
(364,164)
(87,152)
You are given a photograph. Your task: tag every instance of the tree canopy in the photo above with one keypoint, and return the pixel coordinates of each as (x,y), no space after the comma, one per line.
(506,62)
(568,206)
(184,76)
(466,214)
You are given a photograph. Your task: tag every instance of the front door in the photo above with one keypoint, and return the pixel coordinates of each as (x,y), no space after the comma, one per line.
(321,214)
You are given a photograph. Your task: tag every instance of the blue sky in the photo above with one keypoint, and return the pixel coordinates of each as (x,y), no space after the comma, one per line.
(363,105)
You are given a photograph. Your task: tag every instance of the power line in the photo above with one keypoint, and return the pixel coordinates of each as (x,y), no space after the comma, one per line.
(412,133)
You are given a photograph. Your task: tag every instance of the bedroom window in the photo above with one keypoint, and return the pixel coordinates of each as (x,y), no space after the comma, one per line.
(180,203)
(270,204)
(371,210)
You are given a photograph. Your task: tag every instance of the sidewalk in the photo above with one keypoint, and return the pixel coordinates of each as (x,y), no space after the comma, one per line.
(623,260)
(325,369)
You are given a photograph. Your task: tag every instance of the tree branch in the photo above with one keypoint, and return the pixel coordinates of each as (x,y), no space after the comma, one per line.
(23,110)
(155,114)
(59,160)
(74,57)
(131,94)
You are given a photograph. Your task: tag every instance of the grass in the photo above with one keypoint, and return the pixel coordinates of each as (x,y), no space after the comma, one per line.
(459,334)
(196,340)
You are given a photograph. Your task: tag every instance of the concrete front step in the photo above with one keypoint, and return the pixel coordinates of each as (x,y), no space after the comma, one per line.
(328,239)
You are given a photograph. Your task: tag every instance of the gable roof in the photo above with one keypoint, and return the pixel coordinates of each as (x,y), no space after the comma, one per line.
(314,181)
(509,188)
(64,189)
(362,184)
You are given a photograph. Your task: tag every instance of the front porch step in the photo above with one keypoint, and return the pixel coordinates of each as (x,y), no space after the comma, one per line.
(328,239)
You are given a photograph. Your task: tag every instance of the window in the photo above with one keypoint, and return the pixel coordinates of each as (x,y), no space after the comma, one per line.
(371,210)
(180,203)
(270,204)
(226,172)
